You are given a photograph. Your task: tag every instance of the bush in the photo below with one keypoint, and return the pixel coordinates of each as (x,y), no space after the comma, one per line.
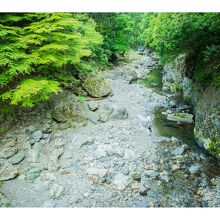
(37,47)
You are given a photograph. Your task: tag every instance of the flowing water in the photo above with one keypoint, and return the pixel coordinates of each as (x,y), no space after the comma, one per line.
(182,189)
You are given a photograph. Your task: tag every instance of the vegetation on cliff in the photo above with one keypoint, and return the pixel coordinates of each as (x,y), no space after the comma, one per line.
(196,34)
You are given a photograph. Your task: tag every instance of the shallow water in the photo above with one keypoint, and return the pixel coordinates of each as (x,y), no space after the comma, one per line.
(182,189)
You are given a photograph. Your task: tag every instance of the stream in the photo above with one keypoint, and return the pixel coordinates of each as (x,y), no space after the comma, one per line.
(126,153)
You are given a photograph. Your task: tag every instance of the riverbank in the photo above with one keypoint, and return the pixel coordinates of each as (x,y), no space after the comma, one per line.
(117,158)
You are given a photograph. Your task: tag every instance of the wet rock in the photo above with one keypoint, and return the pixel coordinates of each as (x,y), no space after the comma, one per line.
(7,171)
(179,150)
(41,186)
(121,181)
(164,176)
(17,158)
(8,152)
(37,135)
(194,169)
(96,86)
(4,202)
(143,190)
(152,173)
(172,104)
(175,140)
(136,176)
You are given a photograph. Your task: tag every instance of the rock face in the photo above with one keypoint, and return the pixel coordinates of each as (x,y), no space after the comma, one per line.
(65,107)
(207,121)
(96,85)
(175,77)
(206,104)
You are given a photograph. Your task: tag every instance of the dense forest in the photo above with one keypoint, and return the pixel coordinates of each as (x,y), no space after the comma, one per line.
(42,53)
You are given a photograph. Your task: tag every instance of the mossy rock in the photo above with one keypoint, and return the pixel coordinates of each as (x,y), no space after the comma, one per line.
(180,117)
(96,86)
(212,145)
(65,107)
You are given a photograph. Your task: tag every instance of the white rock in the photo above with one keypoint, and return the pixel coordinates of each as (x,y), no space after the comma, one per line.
(121,181)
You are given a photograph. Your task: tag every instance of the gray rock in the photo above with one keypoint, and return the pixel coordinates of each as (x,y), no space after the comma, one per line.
(100,172)
(56,191)
(179,150)
(104,112)
(17,158)
(194,169)
(152,173)
(46,128)
(68,154)
(145,122)
(4,202)
(92,116)
(142,190)
(165,177)
(37,135)
(119,113)
(136,176)
(100,152)
(65,107)
(96,85)
(49,204)
(8,152)
(121,181)
(34,172)
(80,140)
(7,171)
(10,143)
(41,186)
(34,153)
(93,105)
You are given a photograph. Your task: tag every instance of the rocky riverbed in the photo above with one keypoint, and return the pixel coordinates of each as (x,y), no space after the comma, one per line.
(115,158)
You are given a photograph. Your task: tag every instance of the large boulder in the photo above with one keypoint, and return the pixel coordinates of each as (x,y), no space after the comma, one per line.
(65,107)
(96,85)
(129,71)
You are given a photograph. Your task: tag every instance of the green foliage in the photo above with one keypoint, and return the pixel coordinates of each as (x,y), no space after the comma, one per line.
(81,99)
(43,45)
(214,146)
(31,91)
(196,34)
(117,30)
